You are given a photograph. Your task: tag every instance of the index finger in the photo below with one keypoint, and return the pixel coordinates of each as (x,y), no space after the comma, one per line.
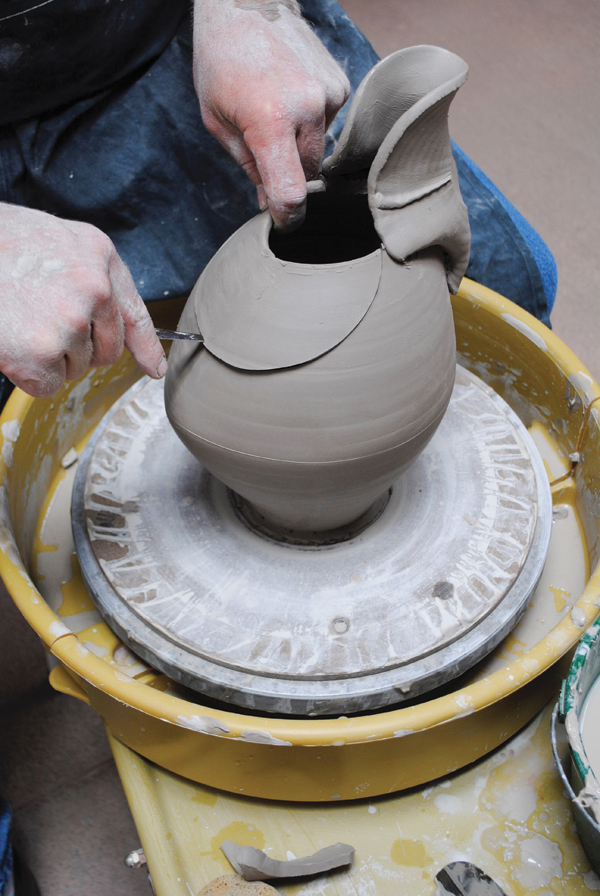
(139,333)
(282,174)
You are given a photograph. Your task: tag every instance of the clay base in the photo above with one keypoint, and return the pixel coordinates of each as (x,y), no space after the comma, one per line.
(263,526)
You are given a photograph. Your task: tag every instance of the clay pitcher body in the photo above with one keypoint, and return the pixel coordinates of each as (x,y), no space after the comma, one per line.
(330,354)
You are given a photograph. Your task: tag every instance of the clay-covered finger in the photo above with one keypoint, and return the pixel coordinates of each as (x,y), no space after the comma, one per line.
(282,174)
(143,343)
(93,299)
(59,353)
(261,198)
(138,330)
(233,141)
(311,145)
(107,339)
(107,328)
(336,97)
(78,359)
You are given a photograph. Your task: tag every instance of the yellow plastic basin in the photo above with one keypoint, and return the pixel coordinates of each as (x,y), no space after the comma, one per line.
(306,760)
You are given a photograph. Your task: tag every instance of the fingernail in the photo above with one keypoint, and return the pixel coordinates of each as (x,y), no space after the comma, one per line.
(162,367)
(263,202)
(292,222)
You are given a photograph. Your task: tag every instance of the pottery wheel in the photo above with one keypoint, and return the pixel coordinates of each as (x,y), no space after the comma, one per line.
(420,595)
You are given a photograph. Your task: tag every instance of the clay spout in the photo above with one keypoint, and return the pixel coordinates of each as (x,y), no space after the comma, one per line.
(397,131)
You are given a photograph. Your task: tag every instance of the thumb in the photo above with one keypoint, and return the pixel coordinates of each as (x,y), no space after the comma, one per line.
(139,333)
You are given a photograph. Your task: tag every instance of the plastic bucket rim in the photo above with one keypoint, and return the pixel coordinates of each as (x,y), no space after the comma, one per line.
(384,725)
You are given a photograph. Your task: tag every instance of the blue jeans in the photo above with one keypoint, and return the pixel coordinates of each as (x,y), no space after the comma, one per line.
(6,858)
(507,254)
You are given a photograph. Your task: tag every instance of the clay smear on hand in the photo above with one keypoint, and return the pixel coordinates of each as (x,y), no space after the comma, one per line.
(269,8)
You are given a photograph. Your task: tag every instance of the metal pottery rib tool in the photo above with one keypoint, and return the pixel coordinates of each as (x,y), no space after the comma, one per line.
(465,879)
(175,334)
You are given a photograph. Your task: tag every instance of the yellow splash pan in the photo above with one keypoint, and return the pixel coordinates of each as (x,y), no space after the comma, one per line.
(323,760)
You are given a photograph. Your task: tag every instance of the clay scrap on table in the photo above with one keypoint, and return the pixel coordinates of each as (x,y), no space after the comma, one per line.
(254,864)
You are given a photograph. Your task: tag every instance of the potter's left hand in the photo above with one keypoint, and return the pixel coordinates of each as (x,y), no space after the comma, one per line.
(268,91)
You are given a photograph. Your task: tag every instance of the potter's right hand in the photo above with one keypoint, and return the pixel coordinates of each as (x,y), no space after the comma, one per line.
(268,91)
(67,302)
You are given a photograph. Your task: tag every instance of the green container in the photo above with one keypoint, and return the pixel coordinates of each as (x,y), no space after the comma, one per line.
(576,772)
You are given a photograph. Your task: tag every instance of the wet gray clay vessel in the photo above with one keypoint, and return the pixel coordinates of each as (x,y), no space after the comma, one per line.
(329,352)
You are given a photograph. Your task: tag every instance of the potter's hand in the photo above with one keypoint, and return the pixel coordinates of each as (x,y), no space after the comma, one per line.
(67,302)
(268,91)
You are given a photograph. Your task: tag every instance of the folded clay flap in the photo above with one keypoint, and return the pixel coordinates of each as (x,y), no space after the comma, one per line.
(258,312)
(397,126)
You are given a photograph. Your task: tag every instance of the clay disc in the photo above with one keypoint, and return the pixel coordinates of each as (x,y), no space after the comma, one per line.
(271,314)
(414,600)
